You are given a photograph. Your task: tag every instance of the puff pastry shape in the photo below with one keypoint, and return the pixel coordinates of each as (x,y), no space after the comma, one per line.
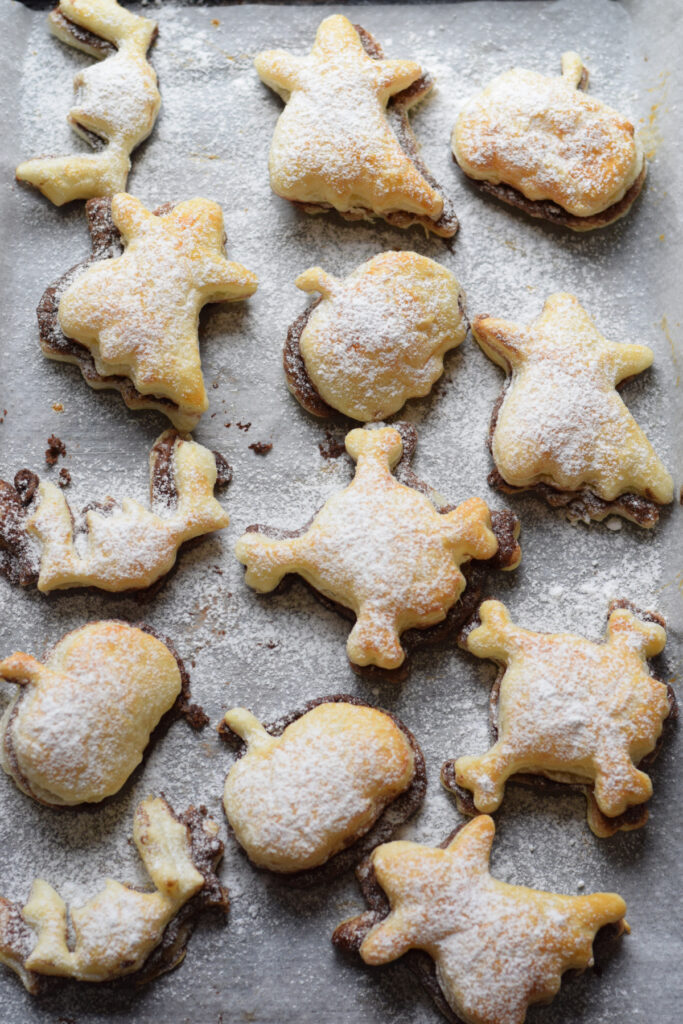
(561,422)
(81,721)
(545,146)
(336,145)
(117,100)
(380,548)
(497,948)
(113,547)
(136,315)
(376,338)
(295,800)
(118,929)
(572,710)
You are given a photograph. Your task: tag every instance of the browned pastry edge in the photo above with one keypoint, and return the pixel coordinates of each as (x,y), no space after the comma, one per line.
(447,224)
(349,935)
(296,374)
(633,817)
(182,707)
(106,244)
(391,817)
(546,209)
(206,852)
(577,505)
(18,562)
(505,526)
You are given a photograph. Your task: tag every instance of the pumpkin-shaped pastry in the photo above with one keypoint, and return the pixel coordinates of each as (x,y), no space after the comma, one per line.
(296,799)
(80,723)
(541,144)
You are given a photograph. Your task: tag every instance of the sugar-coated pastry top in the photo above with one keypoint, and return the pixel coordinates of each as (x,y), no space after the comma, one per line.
(497,947)
(549,140)
(333,143)
(378,337)
(380,548)
(81,722)
(561,421)
(117,100)
(568,706)
(138,313)
(295,800)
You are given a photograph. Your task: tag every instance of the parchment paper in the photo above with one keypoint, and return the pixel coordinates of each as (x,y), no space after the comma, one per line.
(273,961)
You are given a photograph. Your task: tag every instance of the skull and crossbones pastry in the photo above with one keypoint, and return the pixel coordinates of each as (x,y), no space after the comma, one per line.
(121,930)
(571,710)
(496,947)
(541,144)
(300,796)
(81,720)
(117,100)
(374,339)
(129,315)
(561,428)
(344,141)
(381,549)
(110,546)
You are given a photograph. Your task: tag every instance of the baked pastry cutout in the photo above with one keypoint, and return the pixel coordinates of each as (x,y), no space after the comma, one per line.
(117,100)
(121,930)
(81,720)
(560,428)
(544,146)
(344,141)
(374,339)
(571,710)
(110,546)
(381,549)
(322,786)
(497,948)
(129,315)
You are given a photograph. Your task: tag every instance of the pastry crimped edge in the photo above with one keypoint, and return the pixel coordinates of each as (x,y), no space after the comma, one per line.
(558,783)
(394,813)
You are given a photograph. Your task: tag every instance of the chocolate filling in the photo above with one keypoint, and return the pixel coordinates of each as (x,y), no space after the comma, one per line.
(633,817)
(581,505)
(82,36)
(391,817)
(546,209)
(296,374)
(18,559)
(505,526)
(397,115)
(350,934)
(106,244)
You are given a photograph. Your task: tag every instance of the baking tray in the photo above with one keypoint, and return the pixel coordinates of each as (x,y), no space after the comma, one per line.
(272,960)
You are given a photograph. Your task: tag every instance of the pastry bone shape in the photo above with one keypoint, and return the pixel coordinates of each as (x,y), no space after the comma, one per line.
(295,800)
(561,421)
(378,337)
(379,548)
(333,144)
(121,546)
(497,947)
(138,314)
(117,100)
(81,721)
(570,709)
(565,156)
(115,932)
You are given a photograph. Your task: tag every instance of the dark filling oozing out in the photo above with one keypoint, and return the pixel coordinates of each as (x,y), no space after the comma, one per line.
(296,374)
(392,816)
(18,561)
(633,817)
(505,526)
(349,936)
(397,114)
(579,505)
